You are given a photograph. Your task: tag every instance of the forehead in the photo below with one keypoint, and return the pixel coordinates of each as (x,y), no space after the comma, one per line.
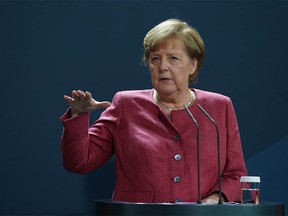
(170,43)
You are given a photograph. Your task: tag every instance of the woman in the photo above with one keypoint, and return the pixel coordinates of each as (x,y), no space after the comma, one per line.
(151,134)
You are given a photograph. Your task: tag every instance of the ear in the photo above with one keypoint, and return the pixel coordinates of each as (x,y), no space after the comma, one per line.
(193,66)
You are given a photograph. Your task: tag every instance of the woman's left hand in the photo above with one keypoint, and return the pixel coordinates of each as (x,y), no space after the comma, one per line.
(213,198)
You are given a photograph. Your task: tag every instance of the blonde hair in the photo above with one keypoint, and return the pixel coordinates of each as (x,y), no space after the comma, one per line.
(175,28)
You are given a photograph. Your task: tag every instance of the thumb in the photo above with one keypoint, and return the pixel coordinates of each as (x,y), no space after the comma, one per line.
(103,104)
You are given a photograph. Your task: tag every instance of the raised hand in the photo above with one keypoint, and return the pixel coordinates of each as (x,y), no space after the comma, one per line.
(82,102)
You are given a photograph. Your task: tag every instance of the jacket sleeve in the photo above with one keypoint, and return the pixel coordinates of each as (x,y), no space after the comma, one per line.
(86,148)
(234,161)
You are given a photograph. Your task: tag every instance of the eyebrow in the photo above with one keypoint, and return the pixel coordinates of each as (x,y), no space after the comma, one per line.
(169,53)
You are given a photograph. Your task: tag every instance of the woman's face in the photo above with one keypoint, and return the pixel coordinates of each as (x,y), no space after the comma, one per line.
(170,67)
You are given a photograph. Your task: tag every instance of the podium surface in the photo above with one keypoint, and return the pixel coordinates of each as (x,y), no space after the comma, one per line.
(108,207)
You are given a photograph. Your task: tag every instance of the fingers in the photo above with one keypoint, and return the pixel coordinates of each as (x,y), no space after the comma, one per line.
(88,95)
(68,99)
(79,96)
(76,96)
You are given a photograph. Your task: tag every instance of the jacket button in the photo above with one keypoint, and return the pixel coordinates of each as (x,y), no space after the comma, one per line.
(177,179)
(177,157)
(176,137)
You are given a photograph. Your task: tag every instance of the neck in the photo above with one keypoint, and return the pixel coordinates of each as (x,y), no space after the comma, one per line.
(174,106)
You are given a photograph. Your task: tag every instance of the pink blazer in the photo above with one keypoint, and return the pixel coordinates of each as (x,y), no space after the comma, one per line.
(155,157)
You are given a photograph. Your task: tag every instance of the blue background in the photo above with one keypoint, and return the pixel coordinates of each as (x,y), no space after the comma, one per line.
(48,48)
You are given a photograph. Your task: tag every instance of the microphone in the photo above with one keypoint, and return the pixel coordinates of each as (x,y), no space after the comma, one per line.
(220,202)
(198,154)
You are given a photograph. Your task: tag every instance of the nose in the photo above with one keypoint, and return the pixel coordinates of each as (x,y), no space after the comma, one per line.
(164,66)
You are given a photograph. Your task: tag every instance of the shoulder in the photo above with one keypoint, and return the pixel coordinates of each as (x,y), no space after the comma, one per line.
(134,93)
(208,96)
(132,96)
(214,102)
(134,100)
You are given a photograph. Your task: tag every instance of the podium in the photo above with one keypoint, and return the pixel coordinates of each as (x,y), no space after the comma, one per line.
(112,208)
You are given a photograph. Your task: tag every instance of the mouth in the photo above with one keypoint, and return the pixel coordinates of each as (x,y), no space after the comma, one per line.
(164,79)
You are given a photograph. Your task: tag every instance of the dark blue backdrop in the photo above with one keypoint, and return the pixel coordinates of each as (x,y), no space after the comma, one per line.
(49,48)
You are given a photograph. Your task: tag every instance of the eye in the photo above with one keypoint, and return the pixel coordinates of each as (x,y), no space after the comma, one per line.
(174,58)
(154,59)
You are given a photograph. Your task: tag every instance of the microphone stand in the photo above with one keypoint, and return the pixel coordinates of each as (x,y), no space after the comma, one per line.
(198,154)
(220,202)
